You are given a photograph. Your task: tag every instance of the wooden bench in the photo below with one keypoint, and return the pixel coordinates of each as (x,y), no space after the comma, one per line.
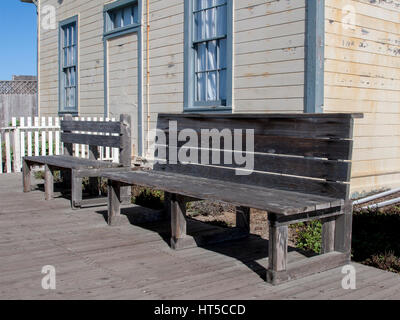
(301,173)
(98,133)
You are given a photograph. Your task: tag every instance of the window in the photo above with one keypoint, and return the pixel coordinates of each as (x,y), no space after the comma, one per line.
(121,15)
(210,50)
(68,66)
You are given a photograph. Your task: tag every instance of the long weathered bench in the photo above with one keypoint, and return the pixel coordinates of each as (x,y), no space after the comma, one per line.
(301,173)
(98,133)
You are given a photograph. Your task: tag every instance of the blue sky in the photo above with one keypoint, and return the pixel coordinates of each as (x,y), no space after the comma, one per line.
(18,39)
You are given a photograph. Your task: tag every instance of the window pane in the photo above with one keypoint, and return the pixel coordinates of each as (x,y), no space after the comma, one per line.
(222,53)
(203,4)
(220,2)
(118,18)
(201,87)
(72,77)
(199,25)
(210,23)
(65,37)
(201,57)
(221,21)
(72,97)
(212,55)
(127,16)
(65,62)
(222,85)
(67,97)
(212,86)
(135,15)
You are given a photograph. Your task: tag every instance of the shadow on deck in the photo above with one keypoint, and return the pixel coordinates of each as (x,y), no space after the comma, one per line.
(134,261)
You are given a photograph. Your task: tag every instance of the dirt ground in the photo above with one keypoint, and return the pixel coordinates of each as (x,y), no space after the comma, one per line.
(223,214)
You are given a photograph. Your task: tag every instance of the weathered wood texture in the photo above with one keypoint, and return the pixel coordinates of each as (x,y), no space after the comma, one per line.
(134,262)
(287,199)
(362,75)
(78,167)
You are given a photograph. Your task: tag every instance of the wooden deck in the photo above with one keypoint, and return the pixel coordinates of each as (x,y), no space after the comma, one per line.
(132,261)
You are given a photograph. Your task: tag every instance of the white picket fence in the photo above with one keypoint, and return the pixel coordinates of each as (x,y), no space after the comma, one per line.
(40,137)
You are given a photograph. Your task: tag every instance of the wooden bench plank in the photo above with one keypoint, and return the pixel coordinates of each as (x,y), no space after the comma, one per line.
(91,126)
(69,162)
(307,147)
(271,200)
(333,127)
(298,184)
(289,165)
(93,140)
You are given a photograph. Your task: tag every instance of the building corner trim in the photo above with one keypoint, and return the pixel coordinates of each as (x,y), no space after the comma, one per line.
(314,56)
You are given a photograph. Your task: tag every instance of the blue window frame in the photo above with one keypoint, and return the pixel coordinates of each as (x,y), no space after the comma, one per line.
(121,16)
(208,55)
(68,60)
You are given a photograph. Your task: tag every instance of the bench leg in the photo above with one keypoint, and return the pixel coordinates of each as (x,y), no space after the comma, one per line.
(126,194)
(343,230)
(48,183)
(277,253)
(26,176)
(76,191)
(243,218)
(114,202)
(178,222)
(328,235)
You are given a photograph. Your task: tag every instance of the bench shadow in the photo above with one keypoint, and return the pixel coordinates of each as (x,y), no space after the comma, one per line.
(251,251)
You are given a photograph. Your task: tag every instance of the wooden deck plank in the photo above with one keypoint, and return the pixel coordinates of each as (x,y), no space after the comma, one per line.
(132,261)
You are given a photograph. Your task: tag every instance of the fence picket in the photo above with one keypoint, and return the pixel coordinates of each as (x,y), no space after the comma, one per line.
(16,147)
(29,134)
(22,133)
(36,137)
(43,137)
(8,151)
(57,136)
(1,154)
(50,136)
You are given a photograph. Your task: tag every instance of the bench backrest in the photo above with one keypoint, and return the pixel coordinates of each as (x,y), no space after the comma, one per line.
(113,134)
(309,153)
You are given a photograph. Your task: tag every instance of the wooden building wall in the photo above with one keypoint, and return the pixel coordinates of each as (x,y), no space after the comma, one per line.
(362,74)
(90,57)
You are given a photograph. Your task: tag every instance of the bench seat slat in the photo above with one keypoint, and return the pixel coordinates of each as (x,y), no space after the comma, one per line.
(69,162)
(271,200)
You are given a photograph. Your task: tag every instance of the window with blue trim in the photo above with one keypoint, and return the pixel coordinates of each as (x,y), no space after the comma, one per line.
(209,63)
(69,61)
(123,15)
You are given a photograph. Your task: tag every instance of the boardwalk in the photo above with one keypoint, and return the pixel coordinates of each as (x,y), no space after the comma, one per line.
(94,261)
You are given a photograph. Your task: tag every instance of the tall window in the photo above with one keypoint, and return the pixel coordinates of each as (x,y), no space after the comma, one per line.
(210,36)
(69,62)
